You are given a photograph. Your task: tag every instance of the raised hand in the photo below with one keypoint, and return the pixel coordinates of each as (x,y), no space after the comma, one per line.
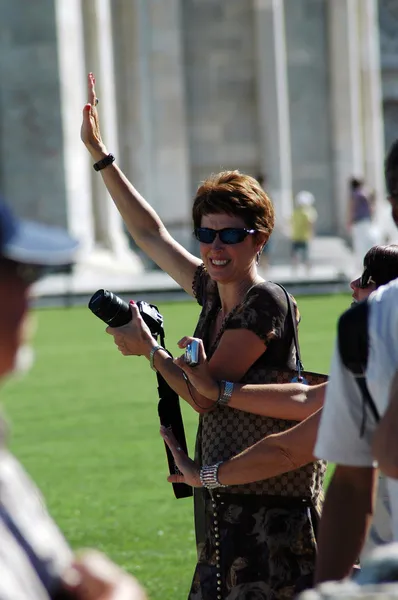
(189,469)
(90,130)
(199,376)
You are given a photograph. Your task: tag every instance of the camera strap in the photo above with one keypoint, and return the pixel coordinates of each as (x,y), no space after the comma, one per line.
(170,416)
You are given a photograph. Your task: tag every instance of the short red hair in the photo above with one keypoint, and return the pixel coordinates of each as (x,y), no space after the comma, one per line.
(235,193)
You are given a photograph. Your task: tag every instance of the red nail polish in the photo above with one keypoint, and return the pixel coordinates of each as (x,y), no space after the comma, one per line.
(132,302)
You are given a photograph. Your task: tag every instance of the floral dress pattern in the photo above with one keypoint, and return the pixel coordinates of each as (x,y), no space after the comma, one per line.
(254,541)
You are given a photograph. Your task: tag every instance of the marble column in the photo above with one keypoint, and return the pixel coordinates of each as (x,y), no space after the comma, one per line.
(134,92)
(170,168)
(32,175)
(345,80)
(273,106)
(309,105)
(357,116)
(151,100)
(109,233)
(372,107)
(72,98)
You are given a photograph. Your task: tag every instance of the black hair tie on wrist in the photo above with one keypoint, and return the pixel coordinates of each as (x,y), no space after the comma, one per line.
(105,162)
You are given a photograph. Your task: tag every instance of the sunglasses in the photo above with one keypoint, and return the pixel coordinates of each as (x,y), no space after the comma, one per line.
(228,235)
(366,279)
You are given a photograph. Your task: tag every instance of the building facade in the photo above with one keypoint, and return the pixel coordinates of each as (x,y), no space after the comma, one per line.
(303,91)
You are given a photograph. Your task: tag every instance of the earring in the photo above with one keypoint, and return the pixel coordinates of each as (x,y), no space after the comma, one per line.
(258,255)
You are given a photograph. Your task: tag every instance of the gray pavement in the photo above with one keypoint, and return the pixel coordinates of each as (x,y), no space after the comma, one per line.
(332,268)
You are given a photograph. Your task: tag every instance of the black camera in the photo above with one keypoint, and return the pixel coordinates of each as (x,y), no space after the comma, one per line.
(115,312)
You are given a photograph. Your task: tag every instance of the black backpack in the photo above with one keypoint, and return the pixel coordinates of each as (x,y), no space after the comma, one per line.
(353,344)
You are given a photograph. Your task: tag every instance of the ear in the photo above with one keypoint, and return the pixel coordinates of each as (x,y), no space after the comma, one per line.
(260,241)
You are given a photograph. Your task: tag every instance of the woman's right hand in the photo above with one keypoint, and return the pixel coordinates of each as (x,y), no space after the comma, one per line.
(90,130)
(199,376)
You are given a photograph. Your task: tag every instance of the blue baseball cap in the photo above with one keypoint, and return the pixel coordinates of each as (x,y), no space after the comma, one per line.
(33,243)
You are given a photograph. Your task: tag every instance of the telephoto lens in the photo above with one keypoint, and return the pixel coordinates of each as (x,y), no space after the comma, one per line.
(111,309)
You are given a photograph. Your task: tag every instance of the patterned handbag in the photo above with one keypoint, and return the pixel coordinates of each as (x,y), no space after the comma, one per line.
(226,431)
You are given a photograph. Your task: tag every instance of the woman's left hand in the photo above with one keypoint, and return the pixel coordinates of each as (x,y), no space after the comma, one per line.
(135,338)
(189,469)
(200,375)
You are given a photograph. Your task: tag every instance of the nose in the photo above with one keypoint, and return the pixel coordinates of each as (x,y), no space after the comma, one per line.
(217,243)
(355,284)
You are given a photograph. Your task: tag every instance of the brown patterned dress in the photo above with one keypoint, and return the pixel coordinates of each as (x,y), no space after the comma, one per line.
(254,541)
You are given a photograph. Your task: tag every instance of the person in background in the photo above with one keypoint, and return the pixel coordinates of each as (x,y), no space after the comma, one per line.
(360,218)
(303,220)
(356,430)
(36,562)
(281,452)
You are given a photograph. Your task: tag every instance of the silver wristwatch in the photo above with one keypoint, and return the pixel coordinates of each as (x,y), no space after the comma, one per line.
(227,388)
(209,476)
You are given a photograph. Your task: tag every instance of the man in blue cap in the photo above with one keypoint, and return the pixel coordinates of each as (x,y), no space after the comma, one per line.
(36,562)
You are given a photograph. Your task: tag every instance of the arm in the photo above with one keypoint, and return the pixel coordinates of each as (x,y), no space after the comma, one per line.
(228,362)
(385,439)
(274,455)
(345,521)
(292,401)
(271,456)
(143,223)
(349,499)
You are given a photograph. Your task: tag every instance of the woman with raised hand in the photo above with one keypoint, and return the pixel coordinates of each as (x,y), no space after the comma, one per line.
(256,539)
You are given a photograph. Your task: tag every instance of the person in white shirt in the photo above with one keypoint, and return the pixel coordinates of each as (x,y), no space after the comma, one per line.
(349,433)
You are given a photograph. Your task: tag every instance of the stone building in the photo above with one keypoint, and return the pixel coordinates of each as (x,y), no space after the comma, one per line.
(296,89)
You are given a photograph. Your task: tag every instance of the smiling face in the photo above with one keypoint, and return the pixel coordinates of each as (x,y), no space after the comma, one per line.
(228,263)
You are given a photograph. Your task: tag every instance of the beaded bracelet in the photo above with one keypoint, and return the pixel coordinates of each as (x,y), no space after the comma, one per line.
(209,476)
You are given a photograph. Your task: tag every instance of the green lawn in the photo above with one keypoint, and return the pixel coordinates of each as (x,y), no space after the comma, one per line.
(85,425)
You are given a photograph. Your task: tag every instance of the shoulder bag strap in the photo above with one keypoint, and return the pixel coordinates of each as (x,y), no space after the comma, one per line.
(291,315)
